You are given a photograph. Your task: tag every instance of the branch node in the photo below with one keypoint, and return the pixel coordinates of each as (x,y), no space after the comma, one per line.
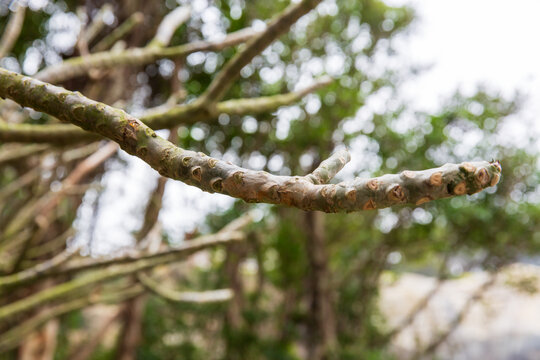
(435,179)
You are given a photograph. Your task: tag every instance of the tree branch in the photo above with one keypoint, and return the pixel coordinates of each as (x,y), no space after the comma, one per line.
(137,56)
(14,336)
(118,33)
(157,118)
(277,27)
(97,24)
(12,30)
(329,167)
(212,175)
(199,297)
(169,24)
(117,268)
(16,153)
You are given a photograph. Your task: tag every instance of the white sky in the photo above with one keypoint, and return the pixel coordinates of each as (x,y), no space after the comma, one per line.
(472,42)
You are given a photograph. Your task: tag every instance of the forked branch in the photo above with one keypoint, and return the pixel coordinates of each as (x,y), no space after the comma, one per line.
(212,175)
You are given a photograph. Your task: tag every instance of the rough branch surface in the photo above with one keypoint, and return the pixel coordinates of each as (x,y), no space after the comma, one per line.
(212,175)
(157,118)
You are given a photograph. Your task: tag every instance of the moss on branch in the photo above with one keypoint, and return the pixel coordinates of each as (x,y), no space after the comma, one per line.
(78,66)
(199,297)
(275,28)
(212,175)
(108,270)
(157,118)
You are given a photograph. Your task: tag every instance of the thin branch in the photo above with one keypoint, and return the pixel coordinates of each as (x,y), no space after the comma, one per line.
(16,153)
(168,26)
(423,303)
(277,27)
(125,28)
(157,118)
(269,103)
(12,337)
(80,152)
(199,297)
(117,268)
(212,175)
(21,182)
(58,134)
(45,266)
(330,167)
(477,295)
(12,30)
(46,203)
(78,66)
(96,25)
(51,246)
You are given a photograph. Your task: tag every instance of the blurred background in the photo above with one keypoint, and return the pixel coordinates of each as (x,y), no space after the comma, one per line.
(417,84)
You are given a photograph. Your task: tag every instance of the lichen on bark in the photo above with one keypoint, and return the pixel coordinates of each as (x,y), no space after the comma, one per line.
(212,175)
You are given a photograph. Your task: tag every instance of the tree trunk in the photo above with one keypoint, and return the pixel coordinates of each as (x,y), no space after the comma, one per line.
(321,331)
(234,316)
(41,344)
(131,332)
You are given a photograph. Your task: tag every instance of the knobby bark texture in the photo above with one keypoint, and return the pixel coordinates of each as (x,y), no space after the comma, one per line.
(212,175)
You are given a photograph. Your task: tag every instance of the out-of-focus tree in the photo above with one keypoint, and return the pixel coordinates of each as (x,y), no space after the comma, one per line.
(297,284)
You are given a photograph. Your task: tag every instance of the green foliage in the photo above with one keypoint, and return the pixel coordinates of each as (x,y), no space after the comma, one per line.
(344,38)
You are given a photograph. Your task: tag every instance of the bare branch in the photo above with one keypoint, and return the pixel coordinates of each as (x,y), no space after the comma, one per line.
(16,153)
(96,25)
(169,24)
(46,203)
(118,267)
(21,182)
(15,335)
(277,27)
(199,297)
(212,175)
(125,28)
(473,299)
(58,134)
(137,56)
(42,267)
(157,118)
(12,30)
(329,167)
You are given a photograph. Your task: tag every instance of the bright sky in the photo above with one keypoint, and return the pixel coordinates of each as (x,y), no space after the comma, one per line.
(471,42)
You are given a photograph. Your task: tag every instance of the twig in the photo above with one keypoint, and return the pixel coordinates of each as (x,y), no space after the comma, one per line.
(78,66)
(16,153)
(44,266)
(117,268)
(118,33)
(168,26)
(97,24)
(477,295)
(46,203)
(157,118)
(199,297)
(21,182)
(15,335)
(277,27)
(328,169)
(12,30)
